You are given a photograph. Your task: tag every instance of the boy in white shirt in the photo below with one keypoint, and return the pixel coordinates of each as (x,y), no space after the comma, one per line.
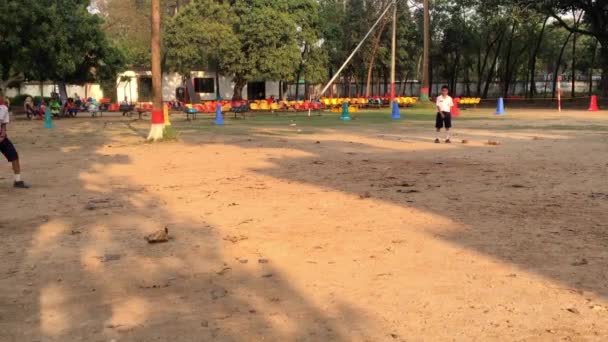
(6,146)
(444,114)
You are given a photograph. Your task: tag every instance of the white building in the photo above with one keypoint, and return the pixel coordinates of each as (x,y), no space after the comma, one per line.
(136,86)
(47,88)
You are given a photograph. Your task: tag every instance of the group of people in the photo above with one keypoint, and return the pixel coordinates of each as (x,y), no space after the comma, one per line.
(70,107)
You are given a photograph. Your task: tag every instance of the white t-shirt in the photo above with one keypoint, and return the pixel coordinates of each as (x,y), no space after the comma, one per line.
(4,116)
(445,104)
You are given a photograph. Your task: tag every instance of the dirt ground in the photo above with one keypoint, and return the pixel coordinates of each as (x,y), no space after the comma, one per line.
(309,229)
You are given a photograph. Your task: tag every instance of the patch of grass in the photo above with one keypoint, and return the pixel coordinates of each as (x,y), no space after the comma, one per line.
(597,128)
(301,123)
(170,134)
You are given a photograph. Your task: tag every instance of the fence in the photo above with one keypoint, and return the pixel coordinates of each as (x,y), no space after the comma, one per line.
(544,89)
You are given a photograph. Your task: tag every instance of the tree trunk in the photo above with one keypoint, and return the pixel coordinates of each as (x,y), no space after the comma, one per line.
(467,82)
(532,65)
(559,61)
(378,90)
(592,66)
(285,87)
(426,55)
(506,80)
(239,85)
(576,23)
(404,84)
(372,59)
(218,92)
(158,122)
(298,82)
(430,83)
(492,69)
(573,90)
(481,69)
(454,74)
(604,65)
(348,85)
(385,73)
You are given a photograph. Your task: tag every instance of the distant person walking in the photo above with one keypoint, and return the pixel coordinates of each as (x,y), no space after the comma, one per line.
(6,146)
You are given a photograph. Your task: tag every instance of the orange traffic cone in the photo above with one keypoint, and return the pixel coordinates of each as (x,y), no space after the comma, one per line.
(455,110)
(593,106)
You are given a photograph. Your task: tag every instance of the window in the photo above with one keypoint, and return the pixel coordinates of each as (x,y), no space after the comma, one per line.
(204,85)
(145,88)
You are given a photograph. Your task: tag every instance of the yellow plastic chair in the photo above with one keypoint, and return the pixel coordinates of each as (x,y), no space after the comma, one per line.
(254,106)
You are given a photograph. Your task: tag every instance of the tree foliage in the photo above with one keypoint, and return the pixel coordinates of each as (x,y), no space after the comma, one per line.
(595,15)
(59,41)
(249,40)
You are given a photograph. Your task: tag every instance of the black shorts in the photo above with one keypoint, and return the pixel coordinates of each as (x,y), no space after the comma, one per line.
(8,150)
(445,121)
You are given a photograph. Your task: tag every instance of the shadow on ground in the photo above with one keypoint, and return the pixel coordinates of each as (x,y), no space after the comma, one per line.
(76,267)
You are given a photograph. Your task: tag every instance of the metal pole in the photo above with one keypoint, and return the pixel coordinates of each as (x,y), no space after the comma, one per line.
(394,48)
(355,51)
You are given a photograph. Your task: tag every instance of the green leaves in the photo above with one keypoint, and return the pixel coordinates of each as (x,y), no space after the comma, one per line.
(59,41)
(248,39)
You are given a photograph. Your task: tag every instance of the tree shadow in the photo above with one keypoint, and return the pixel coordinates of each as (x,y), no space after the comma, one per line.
(76,266)
(546,215)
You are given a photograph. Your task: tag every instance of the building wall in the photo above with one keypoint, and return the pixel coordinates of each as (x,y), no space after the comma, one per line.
(126,86)
(272,89)
(172,81)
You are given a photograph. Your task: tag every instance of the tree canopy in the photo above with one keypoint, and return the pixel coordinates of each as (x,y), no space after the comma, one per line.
(59,41)
(479,47)
(250,40)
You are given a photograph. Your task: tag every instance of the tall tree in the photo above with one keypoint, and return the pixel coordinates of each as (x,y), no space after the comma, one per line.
(426,54)
(248,40)
(39,41)
(533,58)
(595,17)
(158,124)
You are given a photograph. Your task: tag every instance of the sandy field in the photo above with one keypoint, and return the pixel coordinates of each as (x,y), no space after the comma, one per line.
(309,229)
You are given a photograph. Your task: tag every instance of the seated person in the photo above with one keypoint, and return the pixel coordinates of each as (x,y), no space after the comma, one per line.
(93,107)
(125,106)
(42,108)
(30,109)
(70,107)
